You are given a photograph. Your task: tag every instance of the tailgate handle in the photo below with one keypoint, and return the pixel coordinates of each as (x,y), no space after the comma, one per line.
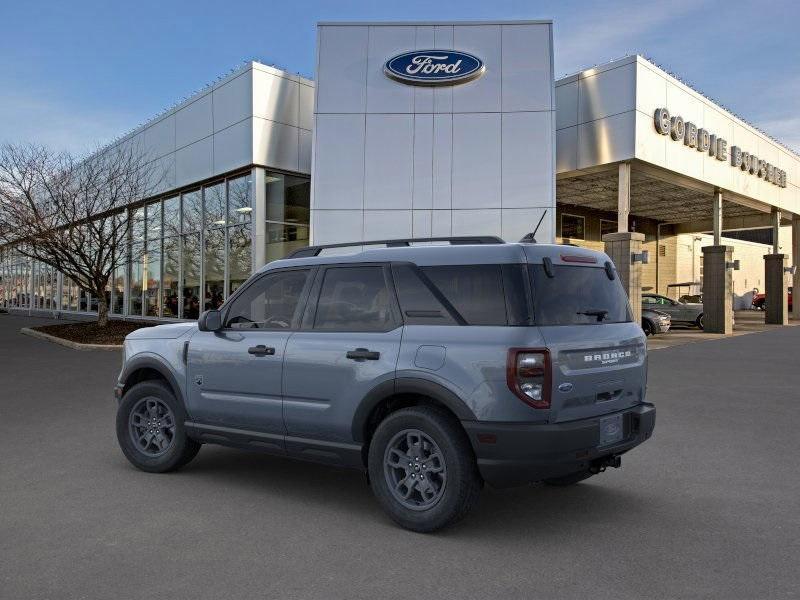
(606,396)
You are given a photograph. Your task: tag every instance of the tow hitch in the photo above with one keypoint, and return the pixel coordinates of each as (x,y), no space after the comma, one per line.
(601,464)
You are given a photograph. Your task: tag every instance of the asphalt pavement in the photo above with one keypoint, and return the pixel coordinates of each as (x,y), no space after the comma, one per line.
(708,508)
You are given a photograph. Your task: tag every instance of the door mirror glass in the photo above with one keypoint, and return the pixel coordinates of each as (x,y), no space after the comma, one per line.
(210,320)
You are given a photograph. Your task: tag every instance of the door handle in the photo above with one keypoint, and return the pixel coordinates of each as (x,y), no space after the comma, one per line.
(363,354)
(261,350)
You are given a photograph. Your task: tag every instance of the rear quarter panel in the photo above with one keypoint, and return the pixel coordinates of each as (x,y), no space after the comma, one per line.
(474,365)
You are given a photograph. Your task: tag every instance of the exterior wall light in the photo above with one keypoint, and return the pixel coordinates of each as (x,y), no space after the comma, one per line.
(791,270)
(643,257)
(733,265)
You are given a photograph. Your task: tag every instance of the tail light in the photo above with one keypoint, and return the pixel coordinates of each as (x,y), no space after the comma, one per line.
(528,375)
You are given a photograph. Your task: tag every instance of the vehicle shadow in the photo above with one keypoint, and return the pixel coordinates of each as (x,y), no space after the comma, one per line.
(501,513)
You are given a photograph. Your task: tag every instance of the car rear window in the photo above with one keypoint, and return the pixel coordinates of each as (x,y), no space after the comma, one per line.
(577,295)
(462,294)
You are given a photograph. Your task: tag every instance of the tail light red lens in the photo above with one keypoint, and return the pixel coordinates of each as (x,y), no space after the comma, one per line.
(529,377)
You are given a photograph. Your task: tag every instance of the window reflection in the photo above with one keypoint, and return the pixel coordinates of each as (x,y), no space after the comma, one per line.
(192,211)
(172,216)
(191,276)
(239,256)
(135,287)
(215,205)
(170,276)
(152,278)
(239,209)
(214,293)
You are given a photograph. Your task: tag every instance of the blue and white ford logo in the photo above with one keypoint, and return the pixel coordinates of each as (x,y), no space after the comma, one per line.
(434,67)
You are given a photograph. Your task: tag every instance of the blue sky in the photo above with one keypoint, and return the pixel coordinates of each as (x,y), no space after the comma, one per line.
(75,74)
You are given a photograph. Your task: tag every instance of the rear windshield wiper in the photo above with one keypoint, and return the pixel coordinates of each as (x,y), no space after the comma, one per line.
(599,313)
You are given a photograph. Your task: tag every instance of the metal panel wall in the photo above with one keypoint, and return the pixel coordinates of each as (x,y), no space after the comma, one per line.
(393,160)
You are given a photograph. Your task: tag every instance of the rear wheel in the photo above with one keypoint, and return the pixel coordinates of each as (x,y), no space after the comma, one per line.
(422,469)
(699,321)
(150,429)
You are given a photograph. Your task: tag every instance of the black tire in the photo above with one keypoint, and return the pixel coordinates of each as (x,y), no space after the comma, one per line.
(648,328)
(699,321)
(462,483)
(179,450)
(570,479)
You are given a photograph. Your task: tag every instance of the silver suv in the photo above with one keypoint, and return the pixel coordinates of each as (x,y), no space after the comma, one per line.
(432,367)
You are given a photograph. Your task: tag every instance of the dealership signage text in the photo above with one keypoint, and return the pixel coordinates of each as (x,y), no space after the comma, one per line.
(704,141)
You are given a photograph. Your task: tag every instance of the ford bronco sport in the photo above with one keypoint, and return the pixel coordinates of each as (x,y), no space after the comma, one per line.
(432,367)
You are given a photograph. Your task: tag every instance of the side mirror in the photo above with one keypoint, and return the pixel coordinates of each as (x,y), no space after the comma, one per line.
(211,320)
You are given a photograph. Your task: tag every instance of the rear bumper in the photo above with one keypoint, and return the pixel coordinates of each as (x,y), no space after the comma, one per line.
(512,454)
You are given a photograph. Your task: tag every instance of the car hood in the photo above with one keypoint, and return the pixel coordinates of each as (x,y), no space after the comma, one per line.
(162,332)
(652,311)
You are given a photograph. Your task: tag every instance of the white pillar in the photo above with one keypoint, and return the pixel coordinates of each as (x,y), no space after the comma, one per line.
(776,231)
(623,197)
(717,217)
(259,226)
(795,262)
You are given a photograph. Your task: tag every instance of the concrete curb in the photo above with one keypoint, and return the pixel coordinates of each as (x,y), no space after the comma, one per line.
(69,344)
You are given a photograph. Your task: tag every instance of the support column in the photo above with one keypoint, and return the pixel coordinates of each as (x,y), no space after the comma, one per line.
(621,247)
(717,217)
(796,263)
(777,309)
(717,288)
(623,197)
(776,230)
(259,231)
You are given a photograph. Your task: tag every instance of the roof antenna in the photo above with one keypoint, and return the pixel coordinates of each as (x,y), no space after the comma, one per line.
(530,238)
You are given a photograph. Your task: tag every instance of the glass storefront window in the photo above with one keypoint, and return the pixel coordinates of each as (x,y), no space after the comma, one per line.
(283,239)
(214,263)
(135,285)
(170,276)
(154,221)
(152,278)
(137,225)
(239,256)
(192,211)
(119,290)
(215,213)
(172,216)
(288,211)
(239,204)
(191,276)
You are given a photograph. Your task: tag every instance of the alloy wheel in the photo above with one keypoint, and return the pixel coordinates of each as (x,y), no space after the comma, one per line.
(152,426)
(415,470)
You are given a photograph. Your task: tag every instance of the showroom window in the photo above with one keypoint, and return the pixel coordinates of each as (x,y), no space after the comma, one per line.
(607,226)
(573,227)
(288,210)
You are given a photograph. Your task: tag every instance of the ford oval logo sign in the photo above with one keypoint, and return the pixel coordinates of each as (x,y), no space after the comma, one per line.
(434,67)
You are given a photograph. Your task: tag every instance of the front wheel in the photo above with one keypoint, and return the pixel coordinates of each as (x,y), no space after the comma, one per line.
(422,469)
(648,328)
(150,429)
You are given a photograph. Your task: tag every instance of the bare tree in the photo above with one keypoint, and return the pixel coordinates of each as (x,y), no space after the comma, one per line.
(70,213)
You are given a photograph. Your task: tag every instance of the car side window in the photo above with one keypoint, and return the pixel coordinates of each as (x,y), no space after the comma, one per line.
(271,302)
(354,299)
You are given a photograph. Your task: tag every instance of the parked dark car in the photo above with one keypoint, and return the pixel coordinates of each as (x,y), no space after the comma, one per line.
(655,321)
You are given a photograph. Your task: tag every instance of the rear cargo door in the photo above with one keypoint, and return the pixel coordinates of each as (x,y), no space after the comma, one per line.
(598,354)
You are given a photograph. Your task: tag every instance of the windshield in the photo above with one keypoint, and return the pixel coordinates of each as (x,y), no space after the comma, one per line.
(577,295)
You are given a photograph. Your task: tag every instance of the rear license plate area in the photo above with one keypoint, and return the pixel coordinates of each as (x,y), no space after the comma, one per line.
(611,430)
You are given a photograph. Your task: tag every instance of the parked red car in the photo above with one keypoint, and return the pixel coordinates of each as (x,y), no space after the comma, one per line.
(760,300)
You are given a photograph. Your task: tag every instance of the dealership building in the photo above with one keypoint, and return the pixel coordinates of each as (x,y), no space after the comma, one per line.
(427,130)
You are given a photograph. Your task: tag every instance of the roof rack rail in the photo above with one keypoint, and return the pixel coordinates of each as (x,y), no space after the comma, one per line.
(454,241)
